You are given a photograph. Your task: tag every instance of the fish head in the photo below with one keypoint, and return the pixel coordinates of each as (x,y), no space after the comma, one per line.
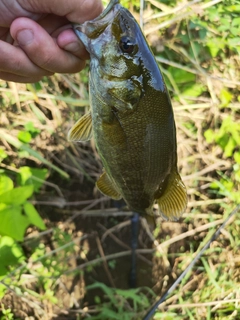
(118,48)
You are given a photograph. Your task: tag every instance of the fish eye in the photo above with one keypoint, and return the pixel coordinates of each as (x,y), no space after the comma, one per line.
(127,46)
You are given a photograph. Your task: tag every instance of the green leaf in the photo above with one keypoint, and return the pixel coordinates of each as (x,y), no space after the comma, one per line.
(6,183)
(236,23)
(234,42)
(181,76)
(237,157)
(194,90)
(11,254)
(23,154)
(3,154)
(230,146)
(13,223)
(225,97)
(235,31)
(17,196)
(24,136)
(33,216)
(30,128)
(214,45)
(222,140)
(209,135)
(32,176)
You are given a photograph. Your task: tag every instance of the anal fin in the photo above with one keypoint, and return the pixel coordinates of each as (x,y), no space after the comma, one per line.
(107,187)
(173,201)
(82,129)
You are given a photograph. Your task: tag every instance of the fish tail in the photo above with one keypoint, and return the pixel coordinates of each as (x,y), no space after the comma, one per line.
(173,201)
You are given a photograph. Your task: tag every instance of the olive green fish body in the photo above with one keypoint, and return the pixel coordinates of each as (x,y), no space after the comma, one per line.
(131,116)
(137,160)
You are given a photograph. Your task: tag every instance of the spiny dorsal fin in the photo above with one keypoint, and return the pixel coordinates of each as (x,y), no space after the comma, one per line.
(107,187)
(82,130)
(173,202)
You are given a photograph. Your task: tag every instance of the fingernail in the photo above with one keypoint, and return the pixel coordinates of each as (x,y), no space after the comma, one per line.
(24,37)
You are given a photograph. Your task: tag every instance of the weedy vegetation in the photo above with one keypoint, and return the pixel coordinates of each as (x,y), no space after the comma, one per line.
(64,248)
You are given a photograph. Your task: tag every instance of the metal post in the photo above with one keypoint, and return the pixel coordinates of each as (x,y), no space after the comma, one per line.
(134,244)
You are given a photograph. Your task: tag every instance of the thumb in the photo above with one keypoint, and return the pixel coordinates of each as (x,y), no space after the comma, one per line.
(76,11)
(42,49)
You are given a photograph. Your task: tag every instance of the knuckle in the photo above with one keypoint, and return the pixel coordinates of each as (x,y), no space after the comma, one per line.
(46,62)
(90,9)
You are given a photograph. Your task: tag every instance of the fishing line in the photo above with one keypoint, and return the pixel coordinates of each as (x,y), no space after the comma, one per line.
(190,266)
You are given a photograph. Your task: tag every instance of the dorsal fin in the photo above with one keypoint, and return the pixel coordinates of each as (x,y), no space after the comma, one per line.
(82,130)
(173,201)
(107,187)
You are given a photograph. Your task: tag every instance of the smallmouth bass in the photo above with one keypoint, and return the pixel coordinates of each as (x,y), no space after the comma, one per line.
(131,116)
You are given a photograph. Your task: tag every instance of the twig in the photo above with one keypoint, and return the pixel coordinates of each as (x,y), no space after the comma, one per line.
(115,228)
(202,304)
(105,265)
(99,260)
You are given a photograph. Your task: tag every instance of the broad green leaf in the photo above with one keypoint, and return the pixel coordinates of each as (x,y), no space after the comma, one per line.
(236,22)
(24,136)
(33,216)
(230,146)
(11,254)
(6,183)
(225,97)
(30,128)
(16,196)
(3,290)
(235,31)
(194,90)
(214,45)
(222,140)
(209,135)
(3,154)
(13,223)
(181,76)
(237,157)
(234,42)
(33,176)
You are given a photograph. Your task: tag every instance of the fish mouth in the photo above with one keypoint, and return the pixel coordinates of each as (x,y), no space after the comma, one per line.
(93,28)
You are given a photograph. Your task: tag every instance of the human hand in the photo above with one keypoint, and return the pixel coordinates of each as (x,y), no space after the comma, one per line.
(36,38)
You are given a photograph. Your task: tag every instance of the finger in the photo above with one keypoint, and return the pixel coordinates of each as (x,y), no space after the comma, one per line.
(68,40)
(14,60)
(7,76)
(75,10)
(42,49)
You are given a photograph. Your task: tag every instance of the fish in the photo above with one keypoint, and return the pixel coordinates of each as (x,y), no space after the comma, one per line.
(130,118)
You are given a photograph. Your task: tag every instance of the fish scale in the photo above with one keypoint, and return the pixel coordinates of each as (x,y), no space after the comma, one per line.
(131,117)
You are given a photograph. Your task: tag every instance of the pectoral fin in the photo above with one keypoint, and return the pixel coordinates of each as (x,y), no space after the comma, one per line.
(173,201)
(107,187)
(82,130)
